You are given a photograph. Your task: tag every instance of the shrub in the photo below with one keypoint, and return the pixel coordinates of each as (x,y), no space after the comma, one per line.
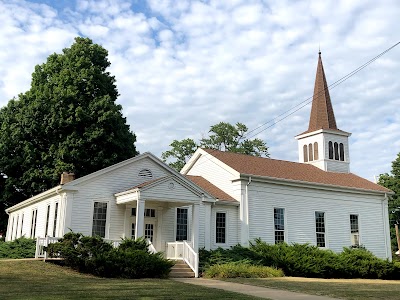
(94,255)
(19,248)
(241,269)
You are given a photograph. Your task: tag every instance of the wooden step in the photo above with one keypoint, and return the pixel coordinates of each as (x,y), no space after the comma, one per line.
(181,270)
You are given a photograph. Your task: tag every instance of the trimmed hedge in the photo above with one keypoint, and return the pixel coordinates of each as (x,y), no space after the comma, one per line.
(19,248)
(95,256)
(304,260)
(241,269)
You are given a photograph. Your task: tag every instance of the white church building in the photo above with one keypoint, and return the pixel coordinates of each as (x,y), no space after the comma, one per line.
(220,199)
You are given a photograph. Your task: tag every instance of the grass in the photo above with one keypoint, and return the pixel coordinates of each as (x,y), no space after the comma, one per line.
(39,280)
(351,289)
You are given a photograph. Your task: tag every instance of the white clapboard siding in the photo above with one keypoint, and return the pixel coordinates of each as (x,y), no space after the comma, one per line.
(232,228)
(215,172)
(300,205)
(102,188)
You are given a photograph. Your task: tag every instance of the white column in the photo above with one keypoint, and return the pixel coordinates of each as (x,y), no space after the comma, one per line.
(159,241)
(244,219)
(195,226)
(207,226)
(139,230)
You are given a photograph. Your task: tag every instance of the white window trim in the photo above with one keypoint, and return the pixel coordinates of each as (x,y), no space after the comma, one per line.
(284,223)
(214,228)
(31,223)
(55,230)
(326,229)
(189,220)
(107,233)
(359,228)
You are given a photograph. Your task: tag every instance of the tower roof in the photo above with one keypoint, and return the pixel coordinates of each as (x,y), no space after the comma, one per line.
(322,115)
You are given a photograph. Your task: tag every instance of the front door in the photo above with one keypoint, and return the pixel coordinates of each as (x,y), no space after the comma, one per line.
(150,230)
(150,224)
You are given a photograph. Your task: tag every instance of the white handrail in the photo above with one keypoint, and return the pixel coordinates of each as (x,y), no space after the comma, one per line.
(43,242)
(151,247)
(191,257)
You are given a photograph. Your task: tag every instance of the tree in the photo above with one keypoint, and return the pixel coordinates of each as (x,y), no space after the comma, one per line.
(224,137)
(393,182)
(67,121)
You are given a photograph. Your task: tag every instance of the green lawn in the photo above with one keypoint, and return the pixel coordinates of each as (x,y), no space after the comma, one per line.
(39,280)
(351,289)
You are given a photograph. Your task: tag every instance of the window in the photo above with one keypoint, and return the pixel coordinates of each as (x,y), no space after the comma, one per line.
(12,228)
(330,146)
(320,228)
(149,232)
(181,224)
(133,230)
(354,230)
(16,227)
(336,147)
(22,224)
(341,150)
(305,153)
(33,223)
(310,152)
(220,227)
(47,220)
(315,151)
(55,220)
(99,219)
(279,224)
(150,212)
(133,211)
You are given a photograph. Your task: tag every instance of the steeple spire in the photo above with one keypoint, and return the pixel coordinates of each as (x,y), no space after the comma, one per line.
(322,116)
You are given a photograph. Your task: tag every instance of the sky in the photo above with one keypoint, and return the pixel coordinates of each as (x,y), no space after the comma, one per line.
(182,66)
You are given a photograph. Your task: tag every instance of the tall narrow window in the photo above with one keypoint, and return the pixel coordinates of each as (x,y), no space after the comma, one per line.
(149,232)
(320,228)
(12,228)
(354,230)
(330,146)
(315,151)
(336,147)
(47,220)
(22,224)
(341,150)
(16,227)
(310,152)
(220,227)
(99,219)
(55,220)
(305,153)
(181,224)
(279,222)
(33,224)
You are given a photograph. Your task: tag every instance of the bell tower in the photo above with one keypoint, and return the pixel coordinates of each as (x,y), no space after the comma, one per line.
(323,144)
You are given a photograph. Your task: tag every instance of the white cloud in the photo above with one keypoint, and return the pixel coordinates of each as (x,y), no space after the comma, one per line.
(182,66)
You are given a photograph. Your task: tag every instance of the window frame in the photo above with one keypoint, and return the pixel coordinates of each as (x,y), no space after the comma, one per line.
(107,225)
(226,227)
(359,231)
(55,218)
(47,220)
(176,223)
(305,153)
(284,224)
(33,222)
(325,233)
(316,152)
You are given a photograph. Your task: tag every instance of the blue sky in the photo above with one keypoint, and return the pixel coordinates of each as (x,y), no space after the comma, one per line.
(182,66)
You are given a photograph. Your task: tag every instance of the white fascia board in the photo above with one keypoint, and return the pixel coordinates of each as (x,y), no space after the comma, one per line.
(226,202)
(320,186)
(336,132)
(198,154)
(51,192)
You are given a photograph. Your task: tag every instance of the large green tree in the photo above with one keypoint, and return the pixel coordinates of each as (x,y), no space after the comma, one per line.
(67,121)
(223,136)
(392,181)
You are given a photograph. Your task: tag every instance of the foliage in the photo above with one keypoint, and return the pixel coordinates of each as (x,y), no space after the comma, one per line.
(393,182)
(241,269)
(305,260)
(19,248)
(93,255)
(67,121)
(224,137)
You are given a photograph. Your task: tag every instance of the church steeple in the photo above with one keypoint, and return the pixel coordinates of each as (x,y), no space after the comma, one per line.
(322,115)
(323,144)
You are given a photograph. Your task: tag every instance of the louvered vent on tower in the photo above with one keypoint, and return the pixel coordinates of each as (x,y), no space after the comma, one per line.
(145,173)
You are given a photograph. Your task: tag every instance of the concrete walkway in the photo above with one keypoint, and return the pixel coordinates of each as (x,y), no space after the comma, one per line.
(251,290)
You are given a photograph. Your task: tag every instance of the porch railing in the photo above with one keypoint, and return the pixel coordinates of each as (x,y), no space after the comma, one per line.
(183,250)
(44,242)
